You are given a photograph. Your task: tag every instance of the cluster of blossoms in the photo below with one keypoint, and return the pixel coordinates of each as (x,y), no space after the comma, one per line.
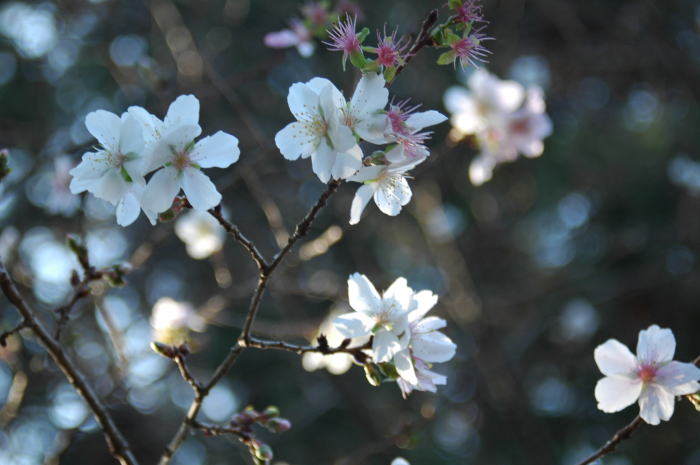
(315,19)
(651,377)
(138,143)
(328,128)
(504,118)
(404,341)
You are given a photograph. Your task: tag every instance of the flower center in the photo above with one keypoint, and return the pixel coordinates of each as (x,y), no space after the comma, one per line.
(647,373)
(181,160)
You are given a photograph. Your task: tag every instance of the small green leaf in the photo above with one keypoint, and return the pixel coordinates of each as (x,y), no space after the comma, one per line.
(357,59)
(446,58)
(363,34)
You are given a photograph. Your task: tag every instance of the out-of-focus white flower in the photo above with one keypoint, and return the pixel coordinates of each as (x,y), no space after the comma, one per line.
(319,132)
(424,345)
(115,172)
(172,321)
(336,364)
(298,35)
(387,184)
(506,120)
(652,377)
(182,159)
(61,200)
(385,317)
(201,233)
(400,461)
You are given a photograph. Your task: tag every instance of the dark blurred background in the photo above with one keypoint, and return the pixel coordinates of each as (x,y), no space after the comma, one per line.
(598,238)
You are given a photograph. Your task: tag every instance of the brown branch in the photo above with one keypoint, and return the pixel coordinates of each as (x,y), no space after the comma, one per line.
(118,446)
(233,230)
(621,435)
(3,337)
(424,39)
(322,347)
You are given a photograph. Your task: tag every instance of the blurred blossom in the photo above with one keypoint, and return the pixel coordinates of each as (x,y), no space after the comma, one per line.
(201,233)
(8,66)
(579,320)
(445,222)
(531,70)
(127,50)
(298,35)
(220,404)
(505,118)
(336,364)
(641,110)
(574,210)
(685,172)
(9,237)
(49,189)
(453,430)
(32,28)
(106,246)
(148,398)
(68,410)
(400,461)
(51,264)
(62,57)
(146,369)
(172,321)
(120,312)
(552,396)
(192,452)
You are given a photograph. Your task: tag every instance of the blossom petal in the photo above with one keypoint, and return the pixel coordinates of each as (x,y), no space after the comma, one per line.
(399,291)
(370,96)
(105,127)
(679,378)
(281,39)
(614,393)
(184,111)
(391,196)
(131,136)
(656,404)
(303,102)
(423,119)
(161,190)
(128,209)
(355,324)
(404,366)
(655,345)
(385,345)
(614,358)
(359,202)
(481,169)
(367,173)
(111,187)
(322,161)
(296,140)
(334,99)
(89,172)
(219,150)
(199,189)
(429,324)
(362,294)
(433,347)
(347,163)
(423,302)
(457,99)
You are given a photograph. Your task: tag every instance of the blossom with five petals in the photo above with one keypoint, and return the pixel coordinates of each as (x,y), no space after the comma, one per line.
(319,132)
(652,377)
(114,172)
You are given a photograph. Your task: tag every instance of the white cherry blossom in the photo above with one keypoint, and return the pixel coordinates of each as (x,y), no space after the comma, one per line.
(385,317)
(183,160)
(424,345)
(386,184)
(201,233)
(319,132)
(114,172)
(650,378)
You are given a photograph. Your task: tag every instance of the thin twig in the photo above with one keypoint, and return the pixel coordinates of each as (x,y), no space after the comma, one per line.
(620,435)
(118,446)
(424,39)
(3,337)
(233,230)
(321,348)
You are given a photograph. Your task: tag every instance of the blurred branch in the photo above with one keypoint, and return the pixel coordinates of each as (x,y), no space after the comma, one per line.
(423,39)
(20,326)
(621,435)
(118,446)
